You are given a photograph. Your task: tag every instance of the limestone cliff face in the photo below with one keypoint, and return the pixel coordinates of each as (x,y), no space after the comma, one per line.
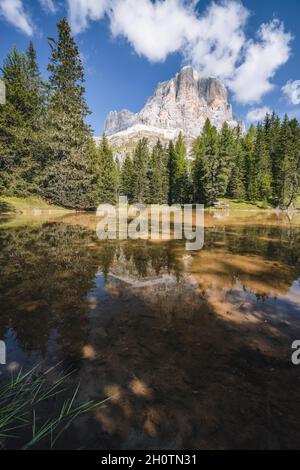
(180,104)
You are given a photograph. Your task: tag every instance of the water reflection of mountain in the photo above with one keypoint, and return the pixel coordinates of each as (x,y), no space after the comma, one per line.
(191,346)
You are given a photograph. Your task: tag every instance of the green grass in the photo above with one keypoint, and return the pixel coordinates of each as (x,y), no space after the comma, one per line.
(246,205)
(22,399)
(9,204)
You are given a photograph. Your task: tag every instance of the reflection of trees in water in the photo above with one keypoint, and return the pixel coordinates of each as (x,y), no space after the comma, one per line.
(139,258)
(45,276)
(264,260)
(47,272)
(273,243)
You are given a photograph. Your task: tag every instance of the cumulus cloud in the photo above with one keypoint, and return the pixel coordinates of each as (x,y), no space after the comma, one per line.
(258,114)
(154,29)
(215,47)
(213,41)
(48,6)
(261,60)
(81,12)
(13,11)
(292,90)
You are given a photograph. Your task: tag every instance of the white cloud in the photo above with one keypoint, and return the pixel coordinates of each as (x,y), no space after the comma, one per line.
(13,11)
(154,29)
(261,60)
(218,41)
(81,12)
(214,42)
(49,6)
(292,90)
(258,114)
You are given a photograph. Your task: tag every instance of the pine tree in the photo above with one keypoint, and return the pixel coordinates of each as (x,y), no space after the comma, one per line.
(141,190)
(225,159)
(236,186)
(206,154)
(108,174)
(272,142)
(158,175)
(263,173)
(20,123)
(181,182)
(198,171)
(36,86)
(127,178)
(290,168)
(69,173)
(248,144)
(171,173)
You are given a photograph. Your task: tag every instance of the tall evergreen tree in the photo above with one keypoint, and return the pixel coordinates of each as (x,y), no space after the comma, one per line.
(141,189)
(290,168)
(248,145)
(69,173)
(272,128)
(108,174)
(225,159)
(127,178)
(181,182)
(158,175)
(171,173)
(206,167)
(20,123)
(263,166)
(237,181)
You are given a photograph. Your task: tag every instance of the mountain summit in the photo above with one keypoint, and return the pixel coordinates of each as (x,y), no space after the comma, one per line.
(180,104)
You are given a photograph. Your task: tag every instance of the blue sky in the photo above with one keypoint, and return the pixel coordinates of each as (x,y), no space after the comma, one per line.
(129,46)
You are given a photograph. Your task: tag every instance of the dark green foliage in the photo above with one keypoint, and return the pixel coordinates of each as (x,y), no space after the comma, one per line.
(178,172)
(248,149)
(290,168)
(228,159)
(206,167)
(20,123)
(70,166)
(236,183)
(141,183)
(262,172)
(127,178)
(108,181)
(158,184)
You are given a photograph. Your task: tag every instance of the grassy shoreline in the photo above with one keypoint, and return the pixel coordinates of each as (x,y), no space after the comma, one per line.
(10,205)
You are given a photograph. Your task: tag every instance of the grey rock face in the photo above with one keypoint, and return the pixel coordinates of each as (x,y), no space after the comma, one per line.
(118,121)
(182,103)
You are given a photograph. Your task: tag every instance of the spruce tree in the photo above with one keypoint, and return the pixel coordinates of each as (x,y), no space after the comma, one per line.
(108,174)
(290,169)
(263,162)
(158,175)
(236,186)
(225,159)
(198,171)
(171,173)
(207,164)
(141,189)
(127,178)
(275,155)
(248,145)
(181,182)
(20,123)
(69,173)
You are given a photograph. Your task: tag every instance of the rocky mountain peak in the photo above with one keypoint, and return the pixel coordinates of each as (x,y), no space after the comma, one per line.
(182,103)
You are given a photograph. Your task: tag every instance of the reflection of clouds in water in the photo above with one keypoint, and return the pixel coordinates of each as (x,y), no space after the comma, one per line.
(156,329)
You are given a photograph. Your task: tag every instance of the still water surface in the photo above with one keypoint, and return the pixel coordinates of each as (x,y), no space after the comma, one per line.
(193,347)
